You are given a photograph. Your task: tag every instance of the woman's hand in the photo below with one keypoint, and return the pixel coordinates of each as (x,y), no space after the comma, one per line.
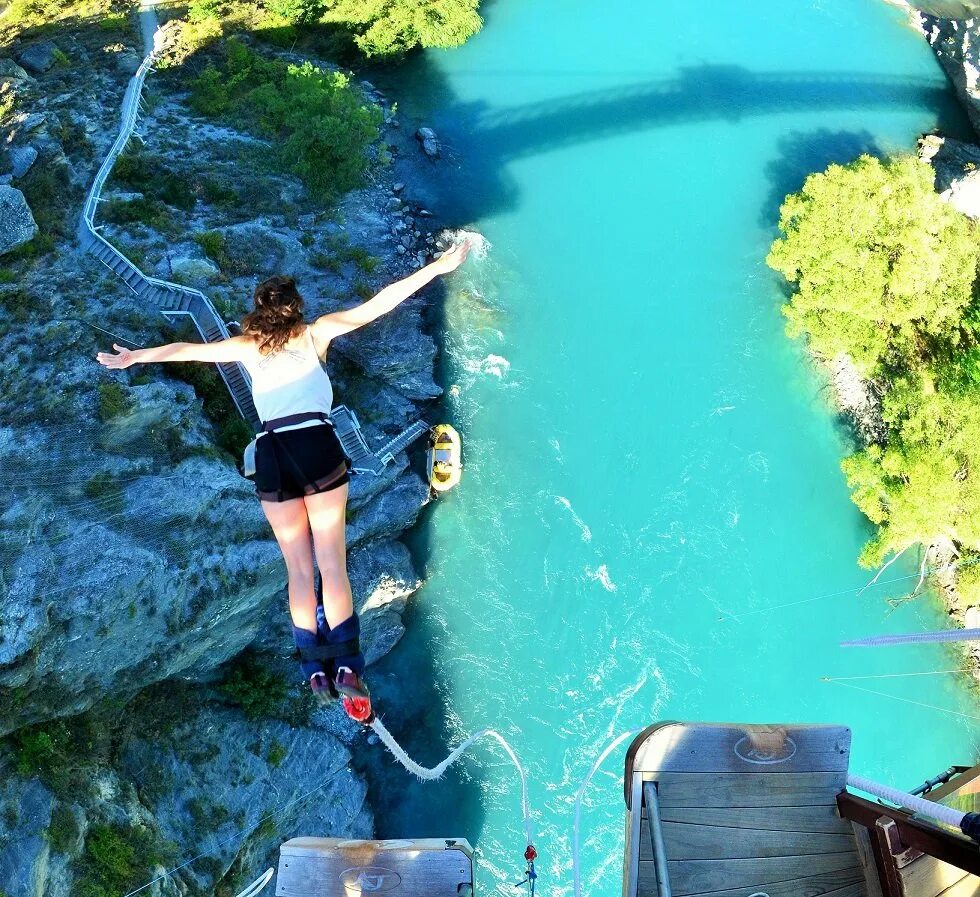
(116,361)
(451,259)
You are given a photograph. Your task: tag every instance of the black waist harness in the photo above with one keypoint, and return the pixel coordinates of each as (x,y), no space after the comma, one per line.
(291,419)
(270,426)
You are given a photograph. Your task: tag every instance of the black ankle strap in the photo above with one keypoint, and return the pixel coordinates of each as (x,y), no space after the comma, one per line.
(349,648)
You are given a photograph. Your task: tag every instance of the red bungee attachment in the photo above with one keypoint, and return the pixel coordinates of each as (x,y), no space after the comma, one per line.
(531,877)
(355,696)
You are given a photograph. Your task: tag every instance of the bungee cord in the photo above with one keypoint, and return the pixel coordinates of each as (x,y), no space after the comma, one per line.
(883,694)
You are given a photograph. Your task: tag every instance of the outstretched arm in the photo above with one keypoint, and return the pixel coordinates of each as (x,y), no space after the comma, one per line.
(327,327)
(223,350)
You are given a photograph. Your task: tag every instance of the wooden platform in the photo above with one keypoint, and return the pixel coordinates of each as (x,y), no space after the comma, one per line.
(740,811)
(332,867)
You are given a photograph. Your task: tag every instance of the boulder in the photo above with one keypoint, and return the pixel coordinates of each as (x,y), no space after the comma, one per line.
(17,224)
(39,57)
(10,71)
(390,512)
(195,271)
(429,141)
(127,62)
(21,160)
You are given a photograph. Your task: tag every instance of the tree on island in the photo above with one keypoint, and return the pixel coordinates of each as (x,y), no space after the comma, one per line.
(883,271)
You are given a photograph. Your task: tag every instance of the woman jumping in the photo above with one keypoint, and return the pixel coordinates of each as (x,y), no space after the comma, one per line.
(300,467)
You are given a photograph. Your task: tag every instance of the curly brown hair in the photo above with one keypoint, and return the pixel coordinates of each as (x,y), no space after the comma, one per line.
(278,314)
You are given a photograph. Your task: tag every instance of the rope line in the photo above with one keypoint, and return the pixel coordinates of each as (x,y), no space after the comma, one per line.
(430,774)
(855,590)
(576,849)
(892,675)
(883,694)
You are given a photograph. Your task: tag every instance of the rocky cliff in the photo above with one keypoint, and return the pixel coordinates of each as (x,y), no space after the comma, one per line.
(150,708)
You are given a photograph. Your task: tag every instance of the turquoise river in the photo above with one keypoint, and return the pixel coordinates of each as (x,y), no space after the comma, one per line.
(652,521)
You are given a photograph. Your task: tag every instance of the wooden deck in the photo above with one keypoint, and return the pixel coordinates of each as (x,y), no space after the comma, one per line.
(332,867)
(742,811)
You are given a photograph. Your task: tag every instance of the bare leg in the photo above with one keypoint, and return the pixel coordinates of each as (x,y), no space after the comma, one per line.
(326,511)
(292,530)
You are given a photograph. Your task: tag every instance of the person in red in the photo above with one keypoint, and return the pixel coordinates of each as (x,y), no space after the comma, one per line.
(301,471)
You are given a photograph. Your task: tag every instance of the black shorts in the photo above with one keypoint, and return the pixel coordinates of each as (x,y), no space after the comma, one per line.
(294,463)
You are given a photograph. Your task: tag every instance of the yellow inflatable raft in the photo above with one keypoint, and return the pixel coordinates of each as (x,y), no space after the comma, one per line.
(445,457)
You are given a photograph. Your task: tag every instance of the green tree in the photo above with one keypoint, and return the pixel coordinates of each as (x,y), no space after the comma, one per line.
(882,267)
(387,27)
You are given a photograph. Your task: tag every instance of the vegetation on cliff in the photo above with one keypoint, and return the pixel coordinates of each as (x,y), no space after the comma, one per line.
(321,126)
(885,272)
(373,28)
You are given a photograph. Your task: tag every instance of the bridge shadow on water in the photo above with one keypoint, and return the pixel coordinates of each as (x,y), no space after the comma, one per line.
(483,140)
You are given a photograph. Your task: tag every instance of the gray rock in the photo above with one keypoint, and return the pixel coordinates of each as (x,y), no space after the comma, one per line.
(393,203)
(17,224)
(217,776)
(39,57)
(957,167)
(429,141)
(397,188)
(127,63)
(10,71)
(32,122)
(134,617)
(6,178)
(393,510)
(25,813)
(383,572)
(21,160)
(956,44)
(407,241)
(195,271)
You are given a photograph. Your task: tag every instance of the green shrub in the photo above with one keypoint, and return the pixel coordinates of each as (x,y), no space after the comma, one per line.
(255,688)
(20,304)
(151,212)
(319,122)
(7,275)
(277,753)
(234,433)
(215,247)
(218,194)
(206,814)
(117,859)
(64,830)
(51,194)
(113,401)
(105,487)
(326,261)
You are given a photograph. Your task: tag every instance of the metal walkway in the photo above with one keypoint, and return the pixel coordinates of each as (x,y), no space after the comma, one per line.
(174,300)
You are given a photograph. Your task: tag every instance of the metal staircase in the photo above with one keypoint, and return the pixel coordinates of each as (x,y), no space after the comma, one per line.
(363,460)
(171,299)
(174,300)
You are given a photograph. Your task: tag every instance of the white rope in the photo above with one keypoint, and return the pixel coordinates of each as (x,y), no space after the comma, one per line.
(258,885)
(909,801)
(436,772)
(576,870)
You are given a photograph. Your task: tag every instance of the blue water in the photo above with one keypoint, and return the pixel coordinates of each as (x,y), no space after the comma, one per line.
(651,467)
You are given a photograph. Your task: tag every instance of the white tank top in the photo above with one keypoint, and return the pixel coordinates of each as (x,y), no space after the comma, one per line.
(290,381)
